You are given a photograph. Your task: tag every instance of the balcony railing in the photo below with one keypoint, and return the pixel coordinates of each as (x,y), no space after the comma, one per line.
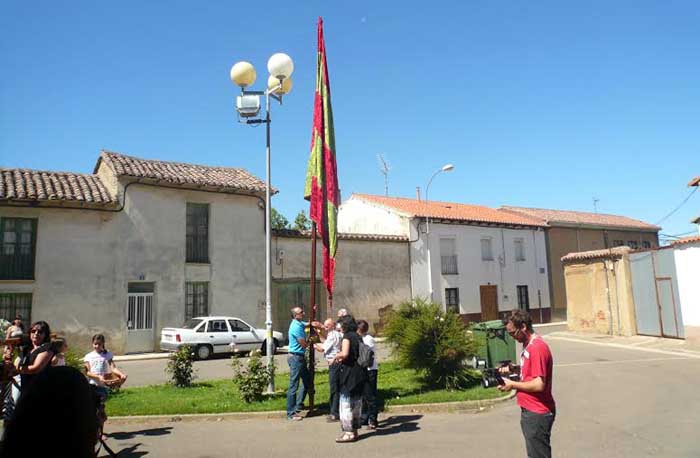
(449,264)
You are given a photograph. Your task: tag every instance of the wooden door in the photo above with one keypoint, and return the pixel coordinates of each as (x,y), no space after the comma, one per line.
(489,302)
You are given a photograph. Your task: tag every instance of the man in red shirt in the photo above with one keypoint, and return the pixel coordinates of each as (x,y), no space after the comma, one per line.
(534,390)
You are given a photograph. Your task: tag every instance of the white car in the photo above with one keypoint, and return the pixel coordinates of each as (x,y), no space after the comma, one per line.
(217,334)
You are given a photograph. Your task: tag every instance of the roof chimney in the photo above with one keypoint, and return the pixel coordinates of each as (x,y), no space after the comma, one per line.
(418,193)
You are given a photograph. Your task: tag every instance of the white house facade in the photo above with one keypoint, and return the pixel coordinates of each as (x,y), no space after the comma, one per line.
(687,257)
(477,261)
(134,247)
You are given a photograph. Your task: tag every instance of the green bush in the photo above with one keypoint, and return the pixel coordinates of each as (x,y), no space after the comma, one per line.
(74,360)
(433,343)
(251,381)
(180,368)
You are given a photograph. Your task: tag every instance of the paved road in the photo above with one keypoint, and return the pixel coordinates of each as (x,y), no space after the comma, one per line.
(612,402)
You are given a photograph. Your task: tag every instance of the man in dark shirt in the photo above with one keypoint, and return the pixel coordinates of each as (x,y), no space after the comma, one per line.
(534,390)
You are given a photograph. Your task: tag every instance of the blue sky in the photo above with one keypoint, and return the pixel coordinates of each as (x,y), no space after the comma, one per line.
(544,104)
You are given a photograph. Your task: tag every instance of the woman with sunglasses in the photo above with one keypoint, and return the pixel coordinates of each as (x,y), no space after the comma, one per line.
(39,356)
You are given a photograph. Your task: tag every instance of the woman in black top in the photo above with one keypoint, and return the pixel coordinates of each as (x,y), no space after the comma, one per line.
(39,358)
(352,378)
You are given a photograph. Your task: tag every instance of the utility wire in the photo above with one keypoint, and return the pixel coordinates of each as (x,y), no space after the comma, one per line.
(677,236)
(677,208)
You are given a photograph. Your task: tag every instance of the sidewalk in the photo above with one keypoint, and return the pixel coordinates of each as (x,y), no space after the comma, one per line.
(689,347)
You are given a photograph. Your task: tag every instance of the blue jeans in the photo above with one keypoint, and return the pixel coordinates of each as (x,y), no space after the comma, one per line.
(297,370)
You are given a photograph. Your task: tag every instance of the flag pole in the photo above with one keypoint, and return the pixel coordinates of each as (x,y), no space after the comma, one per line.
(312,353)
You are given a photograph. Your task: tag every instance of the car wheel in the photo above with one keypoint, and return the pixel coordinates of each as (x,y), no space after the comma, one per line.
(204,352)
(274,347)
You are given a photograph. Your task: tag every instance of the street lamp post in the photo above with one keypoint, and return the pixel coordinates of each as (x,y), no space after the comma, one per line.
(279,83)
(444,168)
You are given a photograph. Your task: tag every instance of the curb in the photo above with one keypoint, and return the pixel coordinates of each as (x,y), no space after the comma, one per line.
(445,407)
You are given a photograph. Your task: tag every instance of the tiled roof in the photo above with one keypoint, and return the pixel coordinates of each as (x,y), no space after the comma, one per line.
(609,253)
(451,211)
(34,186)
(552,217)
(694,182)
(686,240)
(292,233)
(186,175)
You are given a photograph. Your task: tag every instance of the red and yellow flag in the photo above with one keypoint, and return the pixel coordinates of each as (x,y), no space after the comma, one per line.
(321,175)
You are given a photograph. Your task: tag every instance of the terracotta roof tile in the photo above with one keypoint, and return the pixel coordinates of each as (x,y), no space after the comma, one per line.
(610,253)
(223,178)
(451,211)
(36,185)
(552,217)
(342,236)
(686,240)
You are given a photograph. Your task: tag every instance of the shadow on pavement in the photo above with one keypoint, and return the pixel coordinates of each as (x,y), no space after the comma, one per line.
(129,452)
(120,436)
(394,425)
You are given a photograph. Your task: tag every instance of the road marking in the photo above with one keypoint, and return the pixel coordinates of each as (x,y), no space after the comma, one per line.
(590,363)
(627,347)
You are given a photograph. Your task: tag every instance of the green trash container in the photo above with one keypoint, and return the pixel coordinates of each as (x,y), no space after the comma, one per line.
(494,343)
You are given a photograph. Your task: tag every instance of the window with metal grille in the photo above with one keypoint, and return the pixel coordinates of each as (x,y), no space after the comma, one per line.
(448,256)
(519,249)
(618,243)
(17,248)
(632,244)
(13,304)
(452,299)
(196,299)
(646,244)
(197,233)
(523,298)
(139,308)
(486,250)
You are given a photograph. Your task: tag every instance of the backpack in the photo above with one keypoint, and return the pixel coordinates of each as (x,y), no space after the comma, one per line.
(365,357)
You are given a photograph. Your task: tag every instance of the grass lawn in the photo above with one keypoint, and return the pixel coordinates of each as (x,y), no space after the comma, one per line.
(396,386)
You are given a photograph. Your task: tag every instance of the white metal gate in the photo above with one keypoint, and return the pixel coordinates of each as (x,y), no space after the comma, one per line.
(655,290)
(139,322)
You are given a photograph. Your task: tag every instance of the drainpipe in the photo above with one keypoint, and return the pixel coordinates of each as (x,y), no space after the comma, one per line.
(537,276)
(410,261)
(607,292)
(502,261)
(617,299)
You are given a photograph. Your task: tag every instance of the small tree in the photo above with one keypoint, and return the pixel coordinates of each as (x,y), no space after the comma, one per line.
(180,368)
(301,222)
(253,380)
(433,343)
(278,221)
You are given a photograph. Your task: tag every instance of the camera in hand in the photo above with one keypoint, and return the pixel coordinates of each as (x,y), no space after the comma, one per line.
(492,377)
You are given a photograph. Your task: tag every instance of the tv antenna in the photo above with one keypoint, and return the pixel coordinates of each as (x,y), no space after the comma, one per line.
(384,167)
(595,204)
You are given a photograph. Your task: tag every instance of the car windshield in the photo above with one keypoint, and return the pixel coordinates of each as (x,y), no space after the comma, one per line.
(191,324)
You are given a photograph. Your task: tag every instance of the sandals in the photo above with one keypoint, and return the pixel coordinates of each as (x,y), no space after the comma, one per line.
(346,437)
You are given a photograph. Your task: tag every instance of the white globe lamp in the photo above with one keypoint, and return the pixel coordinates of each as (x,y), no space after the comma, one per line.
(243,74)
(280,66)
